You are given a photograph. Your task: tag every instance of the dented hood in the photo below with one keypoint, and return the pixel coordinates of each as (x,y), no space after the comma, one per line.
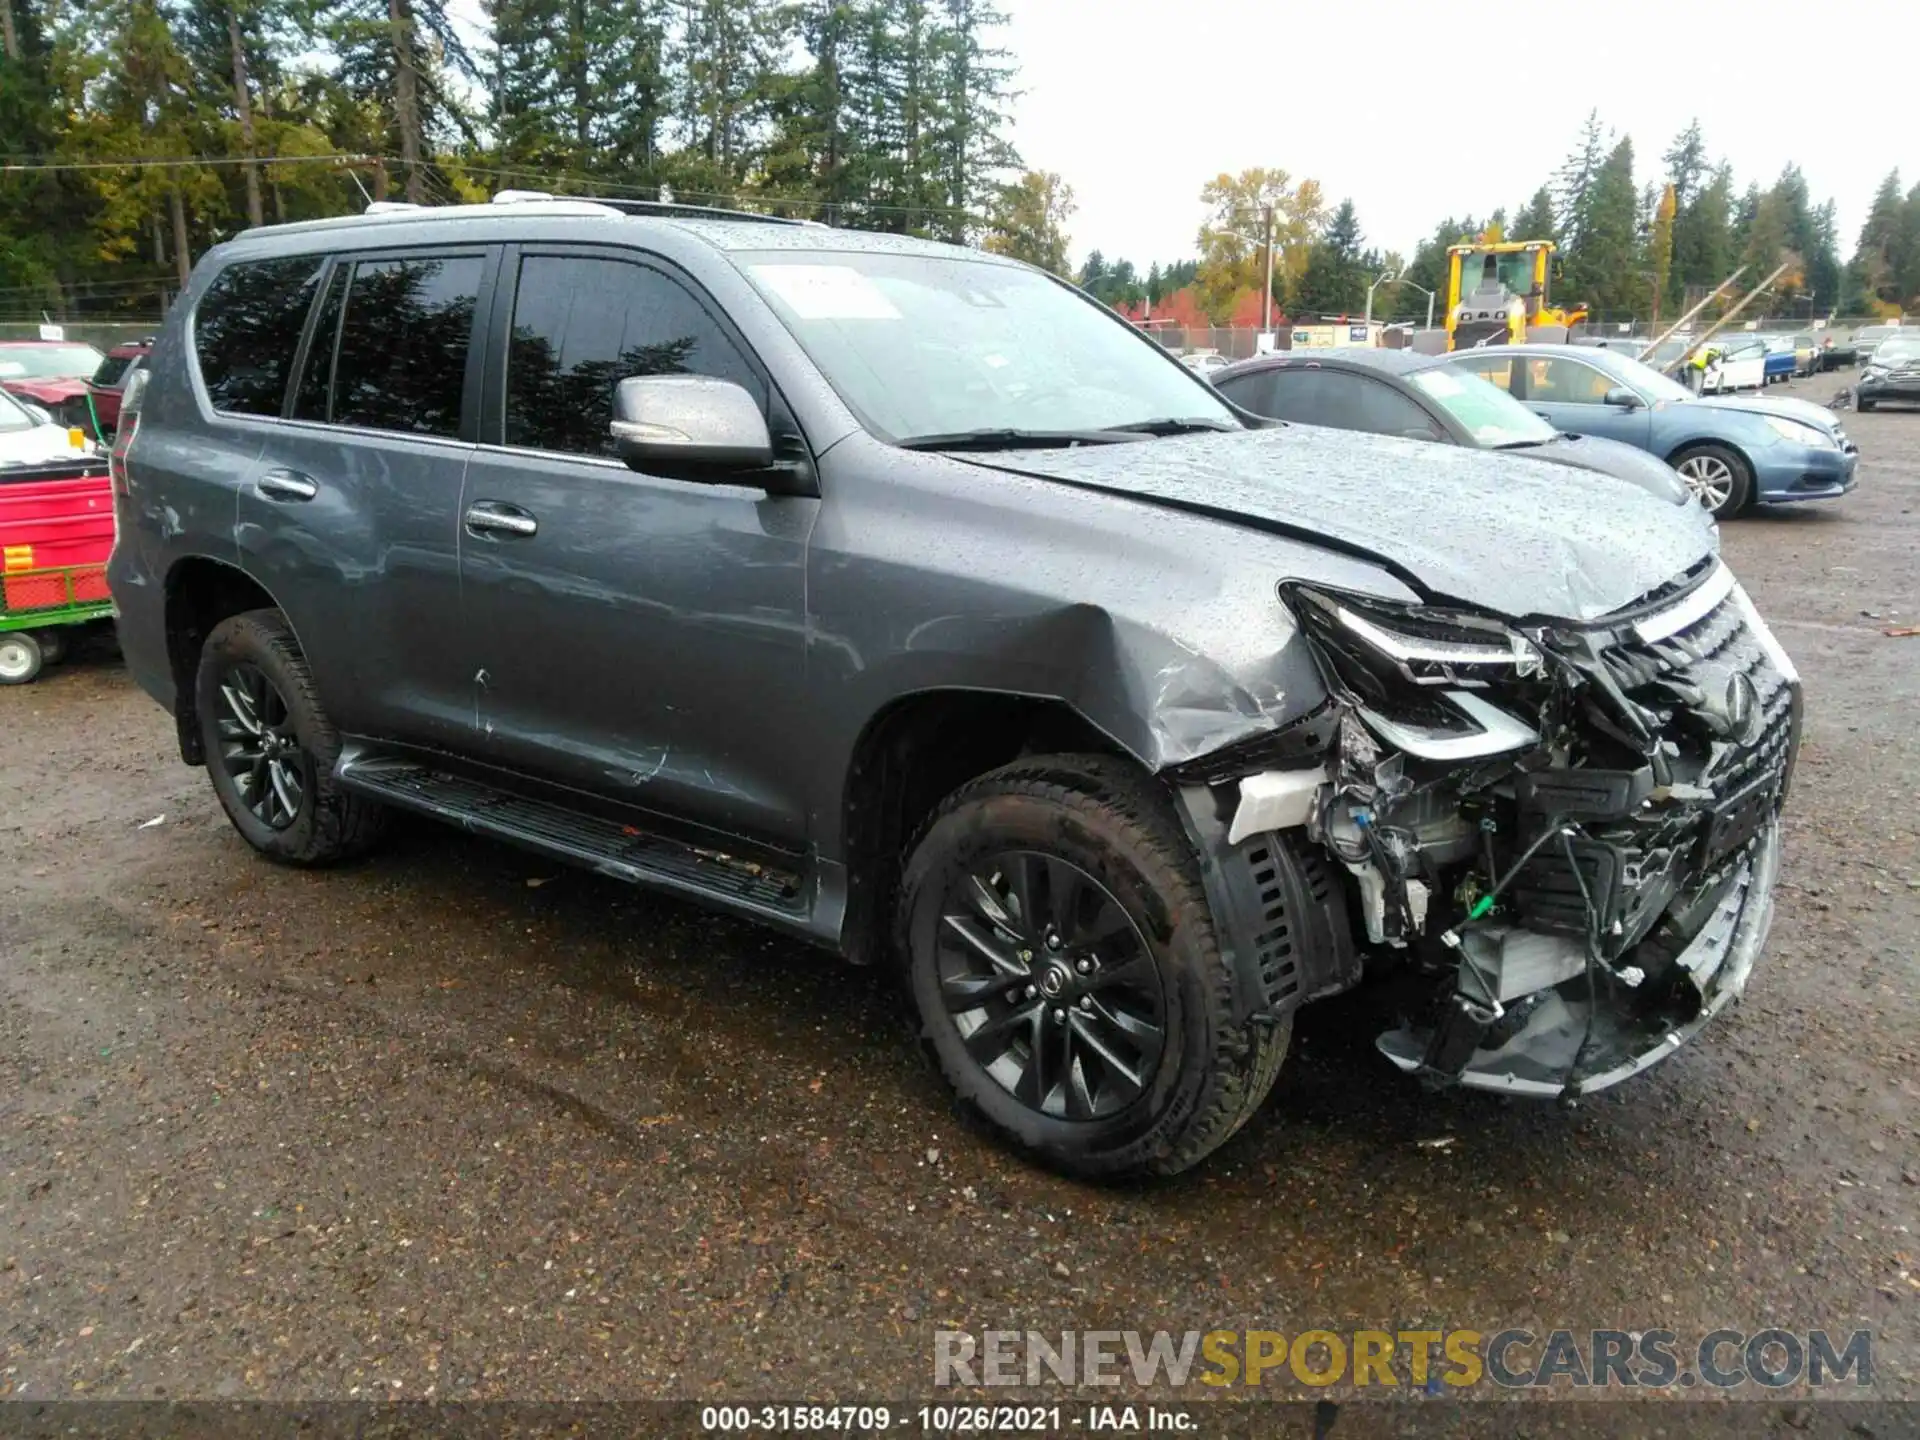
(1471,526)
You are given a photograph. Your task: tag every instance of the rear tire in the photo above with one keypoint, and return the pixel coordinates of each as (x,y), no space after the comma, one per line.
(1720,478)
(53,645)
(1061,957)
(20,658)
(271,749)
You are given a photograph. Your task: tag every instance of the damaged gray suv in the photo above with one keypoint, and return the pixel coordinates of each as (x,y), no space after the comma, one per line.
(903,599)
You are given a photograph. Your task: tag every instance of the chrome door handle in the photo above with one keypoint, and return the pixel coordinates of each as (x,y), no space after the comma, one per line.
(286,485)
(500,519)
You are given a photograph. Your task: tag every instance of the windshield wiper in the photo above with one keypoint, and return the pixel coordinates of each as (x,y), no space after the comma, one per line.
(1005,439)
(1170,426)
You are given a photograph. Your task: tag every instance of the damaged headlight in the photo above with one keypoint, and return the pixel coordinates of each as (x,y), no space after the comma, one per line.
(1413,672)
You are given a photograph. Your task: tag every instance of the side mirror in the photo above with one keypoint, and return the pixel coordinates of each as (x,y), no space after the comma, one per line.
(690,422)
(1621,396)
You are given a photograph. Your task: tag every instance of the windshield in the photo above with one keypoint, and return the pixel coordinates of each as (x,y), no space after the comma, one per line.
(1652,385)
(1900,347)
(1513,272)
(48,362)
(931,345)
(12,417)
(1492,416)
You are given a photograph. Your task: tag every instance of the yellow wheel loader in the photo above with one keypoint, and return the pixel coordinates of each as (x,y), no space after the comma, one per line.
(1497,295)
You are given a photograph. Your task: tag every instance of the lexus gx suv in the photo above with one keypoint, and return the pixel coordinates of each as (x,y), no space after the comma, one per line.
(901,598)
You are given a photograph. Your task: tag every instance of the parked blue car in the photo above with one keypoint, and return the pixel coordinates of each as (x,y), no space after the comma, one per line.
(1732,450)
(1781,361)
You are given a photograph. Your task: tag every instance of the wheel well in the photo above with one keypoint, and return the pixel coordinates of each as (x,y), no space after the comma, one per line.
(200,594)
(1680,452)
(911,756)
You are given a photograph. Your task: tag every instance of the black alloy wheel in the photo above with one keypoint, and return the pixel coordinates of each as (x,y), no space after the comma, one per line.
(271,773)
(271,749)
(1058,949)
(1050,985)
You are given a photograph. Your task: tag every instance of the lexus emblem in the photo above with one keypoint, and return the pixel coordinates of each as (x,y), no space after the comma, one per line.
(1741,709)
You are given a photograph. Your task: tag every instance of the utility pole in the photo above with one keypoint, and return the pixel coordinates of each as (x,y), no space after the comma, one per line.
(1266,310)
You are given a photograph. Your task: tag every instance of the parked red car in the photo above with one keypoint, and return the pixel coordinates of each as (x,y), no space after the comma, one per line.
(109,382)
(52,374)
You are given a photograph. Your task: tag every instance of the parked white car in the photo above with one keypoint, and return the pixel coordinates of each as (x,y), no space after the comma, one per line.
(29,437)
(1204,362)
(1742,366)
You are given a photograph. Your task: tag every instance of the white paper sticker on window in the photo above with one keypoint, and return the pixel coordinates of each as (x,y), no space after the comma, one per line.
(827,292)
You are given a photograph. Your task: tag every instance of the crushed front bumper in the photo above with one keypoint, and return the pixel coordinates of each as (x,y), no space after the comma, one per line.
(1576,1039)
(1565,877)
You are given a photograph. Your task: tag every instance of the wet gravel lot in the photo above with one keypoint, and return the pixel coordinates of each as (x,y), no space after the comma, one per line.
(454,1122)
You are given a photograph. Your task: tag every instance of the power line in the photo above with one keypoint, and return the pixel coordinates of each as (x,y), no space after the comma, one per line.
(181,163)
(711,197)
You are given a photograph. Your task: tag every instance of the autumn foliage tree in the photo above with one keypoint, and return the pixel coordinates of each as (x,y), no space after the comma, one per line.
(1233,240)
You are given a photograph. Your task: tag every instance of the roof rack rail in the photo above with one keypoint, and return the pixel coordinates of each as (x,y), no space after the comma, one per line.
(673,209)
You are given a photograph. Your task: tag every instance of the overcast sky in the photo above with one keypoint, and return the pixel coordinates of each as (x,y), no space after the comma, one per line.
(1137,103)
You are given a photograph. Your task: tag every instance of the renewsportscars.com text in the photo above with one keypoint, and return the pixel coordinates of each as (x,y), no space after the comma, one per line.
(1434,1360)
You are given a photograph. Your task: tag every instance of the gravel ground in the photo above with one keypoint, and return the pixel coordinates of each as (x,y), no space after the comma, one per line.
(457,1123)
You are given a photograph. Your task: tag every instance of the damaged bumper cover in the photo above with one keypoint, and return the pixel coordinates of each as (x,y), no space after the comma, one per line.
(1559,840)
(1568,1039)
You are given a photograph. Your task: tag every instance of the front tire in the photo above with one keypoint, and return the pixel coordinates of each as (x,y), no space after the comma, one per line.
(1061,957)
(1720,478)
(271,749)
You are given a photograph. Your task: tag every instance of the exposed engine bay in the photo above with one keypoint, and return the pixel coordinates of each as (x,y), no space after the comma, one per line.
(1562,838)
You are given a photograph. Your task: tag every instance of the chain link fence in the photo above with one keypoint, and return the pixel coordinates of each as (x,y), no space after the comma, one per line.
(102,334)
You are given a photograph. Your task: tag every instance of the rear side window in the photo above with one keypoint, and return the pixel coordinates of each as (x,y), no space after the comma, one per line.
(1381,410)
(110,371)
(402,355)
(580,326)
(246,329)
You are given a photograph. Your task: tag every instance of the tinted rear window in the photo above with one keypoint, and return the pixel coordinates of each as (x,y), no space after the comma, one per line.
(111,369)
(246,330)
(402,360)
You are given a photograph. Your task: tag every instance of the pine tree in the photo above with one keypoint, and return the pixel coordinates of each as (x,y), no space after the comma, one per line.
(236,50)
(1686,162)
(1334,281)
(401,57)
(1573,185)
(1602,266)
(1906,252)
(1535,220)
(1703,248)
(971,137)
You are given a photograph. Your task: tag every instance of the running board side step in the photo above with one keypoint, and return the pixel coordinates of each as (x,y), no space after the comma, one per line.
(604,846)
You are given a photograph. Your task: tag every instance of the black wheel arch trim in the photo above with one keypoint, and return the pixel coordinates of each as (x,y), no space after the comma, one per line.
(1285,941)
(185,717)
